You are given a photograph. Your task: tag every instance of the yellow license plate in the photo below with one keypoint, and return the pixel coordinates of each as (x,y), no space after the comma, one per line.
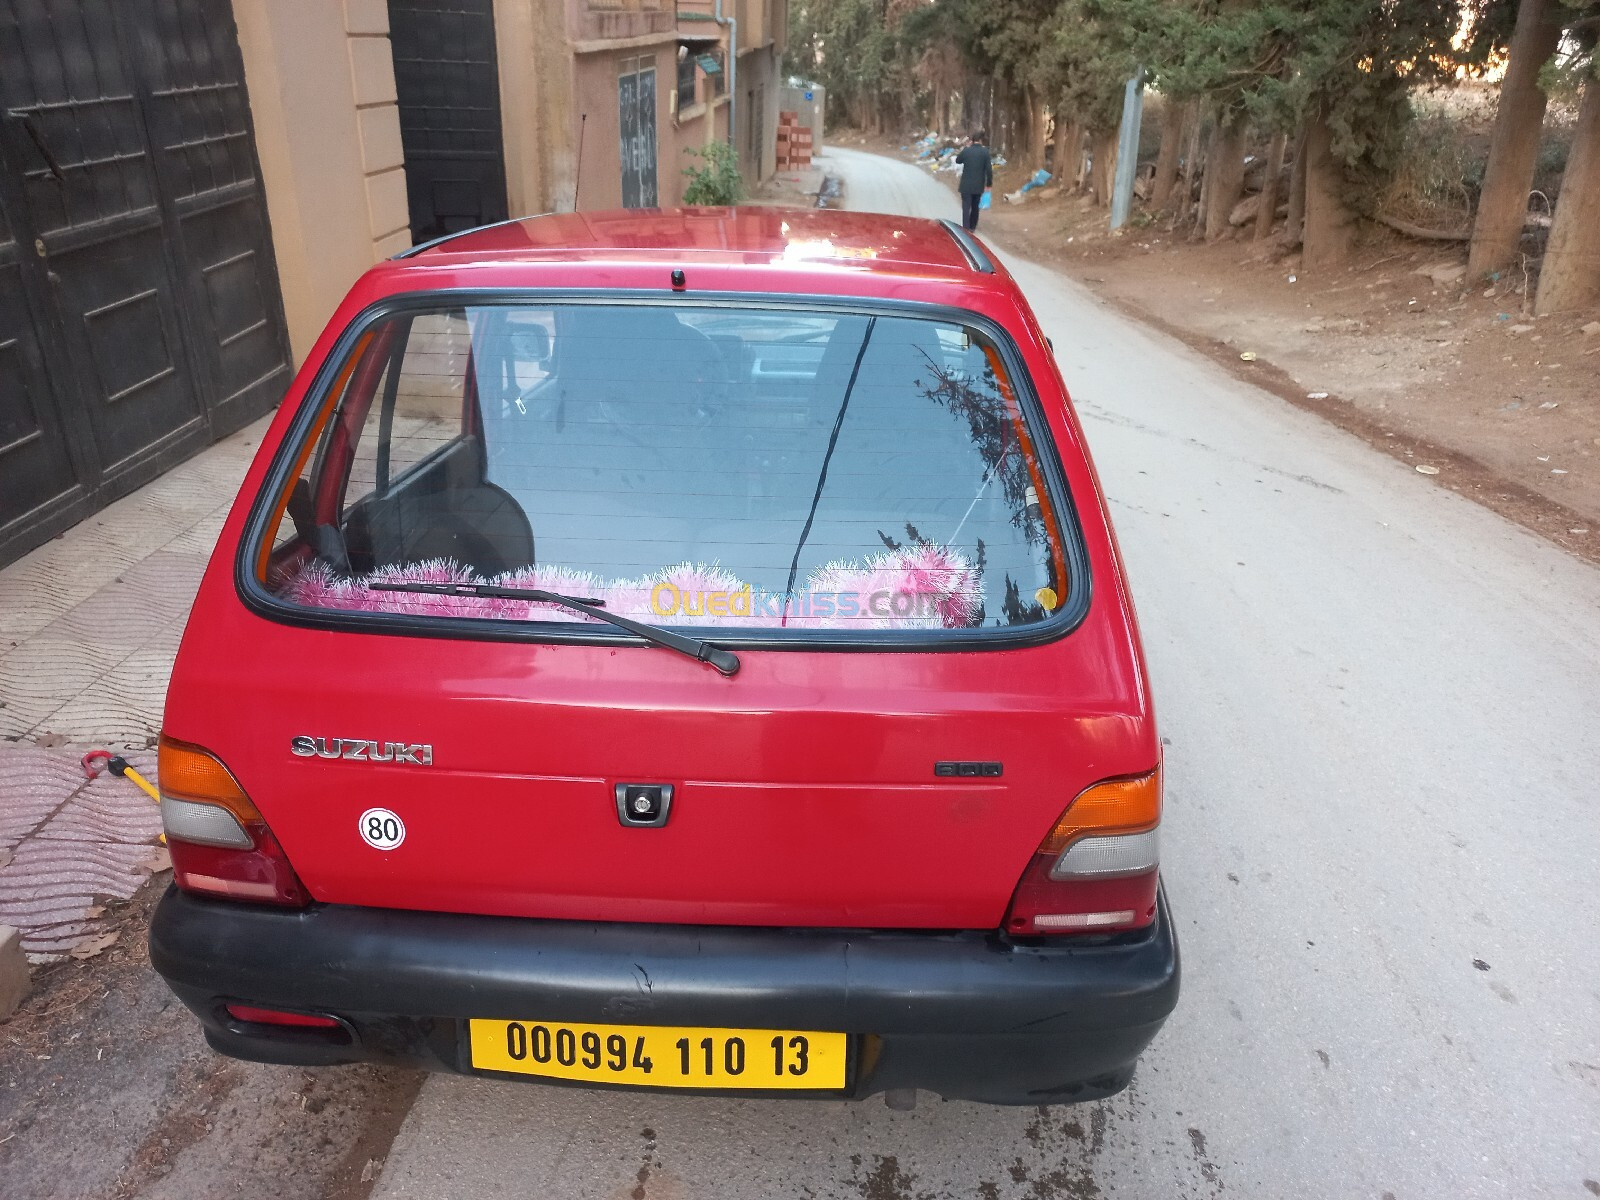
(662,1055)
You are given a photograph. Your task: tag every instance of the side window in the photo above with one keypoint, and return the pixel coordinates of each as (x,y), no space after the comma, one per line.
(418,406)
(397,401)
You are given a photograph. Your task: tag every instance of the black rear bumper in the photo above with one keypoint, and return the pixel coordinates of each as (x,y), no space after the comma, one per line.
(966,1015)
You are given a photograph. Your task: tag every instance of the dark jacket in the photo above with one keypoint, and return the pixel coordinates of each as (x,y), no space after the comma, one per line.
(977,171)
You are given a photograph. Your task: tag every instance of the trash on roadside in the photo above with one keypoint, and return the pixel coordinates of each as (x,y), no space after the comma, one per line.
(1425,469)
(1038,180)
(1316,395)
(1551,404)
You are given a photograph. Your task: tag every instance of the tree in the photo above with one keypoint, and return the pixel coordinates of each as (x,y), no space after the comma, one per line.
(1347,75)
(1329,222)
(947,40)
(1086,58)
(1514,149)
(1267,206)
(856,50)
(1570,276)
(941,69)
(1228,53)
(1225,166)
(1175,119)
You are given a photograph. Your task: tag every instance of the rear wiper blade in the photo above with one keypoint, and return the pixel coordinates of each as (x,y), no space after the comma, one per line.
(725,661)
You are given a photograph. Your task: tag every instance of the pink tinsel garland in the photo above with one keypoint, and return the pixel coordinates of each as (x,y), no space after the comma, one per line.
(915,587)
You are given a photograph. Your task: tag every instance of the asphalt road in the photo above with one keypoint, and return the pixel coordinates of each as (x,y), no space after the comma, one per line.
(1380,845)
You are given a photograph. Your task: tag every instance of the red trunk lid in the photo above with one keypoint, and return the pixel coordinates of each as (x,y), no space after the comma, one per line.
(804,789)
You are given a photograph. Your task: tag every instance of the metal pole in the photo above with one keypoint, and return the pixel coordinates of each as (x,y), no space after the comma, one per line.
(731,24)
(1127,149)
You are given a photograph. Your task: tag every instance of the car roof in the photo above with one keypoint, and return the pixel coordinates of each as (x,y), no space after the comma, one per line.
(756,236)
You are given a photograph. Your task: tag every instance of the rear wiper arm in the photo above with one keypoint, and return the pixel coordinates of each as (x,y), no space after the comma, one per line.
(725,661)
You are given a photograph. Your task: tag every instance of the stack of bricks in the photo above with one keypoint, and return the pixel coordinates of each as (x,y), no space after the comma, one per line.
(794,142)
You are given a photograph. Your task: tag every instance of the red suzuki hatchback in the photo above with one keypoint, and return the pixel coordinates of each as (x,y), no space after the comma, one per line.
(674,650)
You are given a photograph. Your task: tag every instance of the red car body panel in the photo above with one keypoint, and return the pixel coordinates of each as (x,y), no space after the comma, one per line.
(806,794)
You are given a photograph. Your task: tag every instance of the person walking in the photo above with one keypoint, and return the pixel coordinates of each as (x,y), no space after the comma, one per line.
(977,176)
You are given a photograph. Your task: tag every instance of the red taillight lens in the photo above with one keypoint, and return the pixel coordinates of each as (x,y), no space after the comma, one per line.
(1095,872)
(274,1016)
(219,841)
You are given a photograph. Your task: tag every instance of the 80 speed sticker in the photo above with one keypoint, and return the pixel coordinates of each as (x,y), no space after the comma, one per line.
(382,829)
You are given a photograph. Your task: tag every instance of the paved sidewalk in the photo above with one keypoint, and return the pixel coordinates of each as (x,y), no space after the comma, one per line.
(89,626)
(90,621)
(68,844)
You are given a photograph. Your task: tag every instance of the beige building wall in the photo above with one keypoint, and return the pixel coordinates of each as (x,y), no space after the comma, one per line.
(536,105)
(558,66)
(598,122)
(758,111)
(321,80)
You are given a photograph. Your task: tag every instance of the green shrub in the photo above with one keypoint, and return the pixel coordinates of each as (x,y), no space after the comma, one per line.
(717,181)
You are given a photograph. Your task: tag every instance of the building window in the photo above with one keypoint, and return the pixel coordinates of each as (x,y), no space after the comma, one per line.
(686,72)
(716,77)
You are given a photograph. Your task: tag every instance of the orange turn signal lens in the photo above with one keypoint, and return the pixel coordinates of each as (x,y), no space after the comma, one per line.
(1115,806)
(186,772)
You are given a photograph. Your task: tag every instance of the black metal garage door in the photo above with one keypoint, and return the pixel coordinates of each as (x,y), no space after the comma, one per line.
(446,76)
(139,310)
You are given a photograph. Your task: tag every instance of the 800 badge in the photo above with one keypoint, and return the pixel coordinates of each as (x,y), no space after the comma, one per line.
(382,829)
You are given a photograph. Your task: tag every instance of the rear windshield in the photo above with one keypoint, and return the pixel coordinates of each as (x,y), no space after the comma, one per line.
(734,469)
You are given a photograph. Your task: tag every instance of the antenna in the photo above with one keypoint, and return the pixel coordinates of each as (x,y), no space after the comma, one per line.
(578,173)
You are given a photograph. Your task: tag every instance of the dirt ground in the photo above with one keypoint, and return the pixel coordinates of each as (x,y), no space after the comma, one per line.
(110,1093)
(1453,377)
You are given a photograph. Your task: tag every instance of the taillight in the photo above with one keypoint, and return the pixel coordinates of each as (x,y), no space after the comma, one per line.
(1096,871)
(219,841)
